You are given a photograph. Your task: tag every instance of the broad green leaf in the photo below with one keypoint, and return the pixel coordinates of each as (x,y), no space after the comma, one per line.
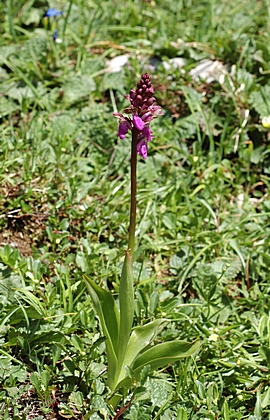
(140,338)
(159,391)
(8,285)
(45,378)
(106,309)
(259,100)
(35,380)
(258,406)
(63,125)
(77,342)
(186,126)
(34,15)
(7,106)
(108,314)
(6,51)
(161,355)
(182,414)
(225,411)
(165,353)
(70,366)
(35,49)
(266,398)
(78,86)
(126,303)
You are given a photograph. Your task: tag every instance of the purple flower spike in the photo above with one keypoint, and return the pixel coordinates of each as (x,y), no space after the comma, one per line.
(143,111)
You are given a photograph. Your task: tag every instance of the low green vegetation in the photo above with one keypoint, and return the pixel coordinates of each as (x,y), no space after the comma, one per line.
(203,230)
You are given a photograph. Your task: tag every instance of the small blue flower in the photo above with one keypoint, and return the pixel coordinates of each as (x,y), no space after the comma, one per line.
(53,13)
(55,35)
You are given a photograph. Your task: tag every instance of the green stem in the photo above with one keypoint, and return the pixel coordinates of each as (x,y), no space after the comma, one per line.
(133,166)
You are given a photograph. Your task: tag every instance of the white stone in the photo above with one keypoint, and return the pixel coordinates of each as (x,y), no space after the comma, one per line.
(117,63)
(208,70)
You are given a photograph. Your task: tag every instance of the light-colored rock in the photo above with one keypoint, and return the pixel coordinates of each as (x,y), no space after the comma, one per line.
(208,70)
(117,63)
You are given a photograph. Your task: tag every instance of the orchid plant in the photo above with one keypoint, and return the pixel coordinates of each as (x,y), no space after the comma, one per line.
(130,349)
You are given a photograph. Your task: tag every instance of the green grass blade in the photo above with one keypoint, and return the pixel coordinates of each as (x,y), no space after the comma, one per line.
(33,301)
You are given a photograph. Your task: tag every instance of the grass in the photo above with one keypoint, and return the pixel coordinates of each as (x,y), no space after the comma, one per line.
(203,198)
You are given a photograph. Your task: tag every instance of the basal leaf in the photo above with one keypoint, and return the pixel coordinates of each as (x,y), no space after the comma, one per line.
(139,339)
(106,308)
(165,353)
(108,314)
(77,87)
(35,49)
(126,302)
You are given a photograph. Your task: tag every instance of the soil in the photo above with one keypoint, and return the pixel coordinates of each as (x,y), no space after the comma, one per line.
(22,232)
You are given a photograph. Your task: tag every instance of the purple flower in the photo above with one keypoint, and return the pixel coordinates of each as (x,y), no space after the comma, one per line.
(122,130)
(143,112)
(53,12)
(142,148)
(138,122)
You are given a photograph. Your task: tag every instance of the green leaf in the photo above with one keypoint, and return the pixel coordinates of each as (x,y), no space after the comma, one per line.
(34,15)
(266,398)
(63,125)
(33,301)
(108,313)
(165,353)
(35,49)
(186,126)
(106,309)
(77,87)
(70,366)
(6,51)
(182,414)
(45,378)
(35,380)
(225,411)
(126,303)
(47,337)
(259,101)
(7,106)
(159,391)
(258,406)
(139,339)
(77,342)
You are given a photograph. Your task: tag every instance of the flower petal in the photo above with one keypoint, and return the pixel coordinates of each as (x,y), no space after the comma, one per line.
(155,110)
(53,12)
(122,130)
(147,133)
(142,148)
(147,117)
(138,122)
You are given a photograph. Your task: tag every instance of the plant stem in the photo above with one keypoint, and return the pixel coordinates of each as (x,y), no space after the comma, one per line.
(133,177)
